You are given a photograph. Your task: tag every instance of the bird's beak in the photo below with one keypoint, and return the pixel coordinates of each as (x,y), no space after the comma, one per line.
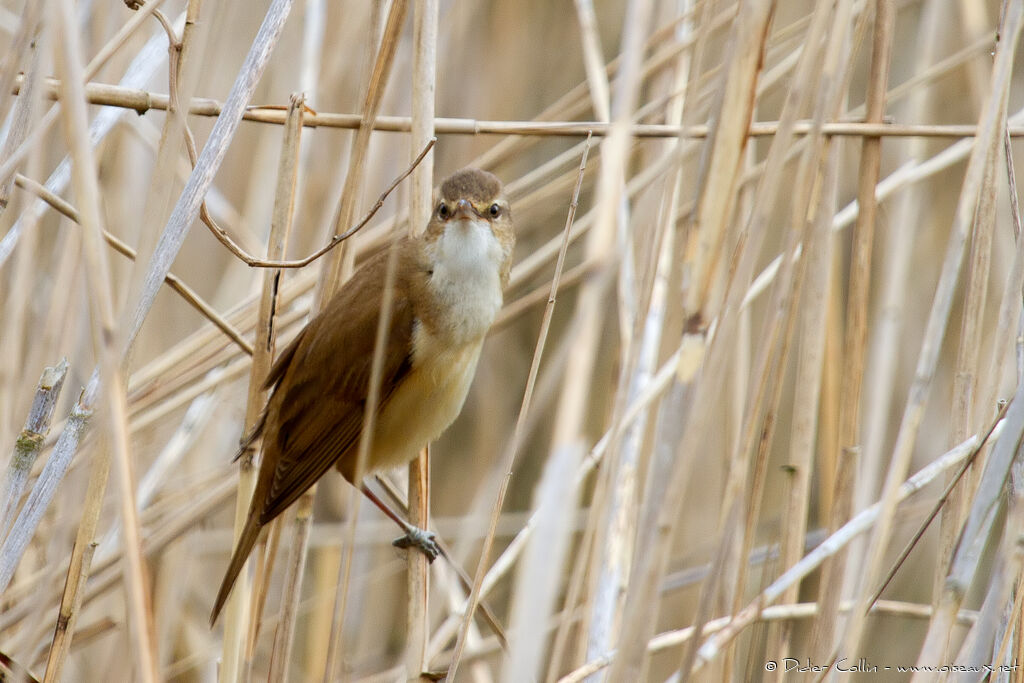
(464,210)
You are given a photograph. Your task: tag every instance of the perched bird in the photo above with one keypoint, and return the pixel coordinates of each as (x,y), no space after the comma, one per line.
(447,290)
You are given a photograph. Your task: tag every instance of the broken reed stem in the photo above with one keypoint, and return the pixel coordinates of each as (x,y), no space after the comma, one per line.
(242,620)
(30,441)
(78,568)
(280,227)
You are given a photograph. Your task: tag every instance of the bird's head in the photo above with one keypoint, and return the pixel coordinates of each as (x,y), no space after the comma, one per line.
(472,216)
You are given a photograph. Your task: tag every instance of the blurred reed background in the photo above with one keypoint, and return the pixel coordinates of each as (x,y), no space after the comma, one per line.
(793,281)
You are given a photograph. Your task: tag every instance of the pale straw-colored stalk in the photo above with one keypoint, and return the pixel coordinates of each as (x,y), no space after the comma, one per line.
(991,124)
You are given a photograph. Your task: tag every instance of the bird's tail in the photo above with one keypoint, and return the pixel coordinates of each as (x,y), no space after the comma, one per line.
(246,541)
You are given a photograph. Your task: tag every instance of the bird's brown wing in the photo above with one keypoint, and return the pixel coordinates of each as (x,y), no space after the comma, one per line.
(316,412)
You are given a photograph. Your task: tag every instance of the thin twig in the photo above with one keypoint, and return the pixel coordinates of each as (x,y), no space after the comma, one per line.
(173,281)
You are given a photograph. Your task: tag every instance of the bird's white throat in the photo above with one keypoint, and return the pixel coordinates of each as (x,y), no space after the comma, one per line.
(466,279)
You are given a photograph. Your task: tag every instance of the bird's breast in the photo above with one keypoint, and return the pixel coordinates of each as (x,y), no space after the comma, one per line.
(452,315)
(428,399)
(464,284)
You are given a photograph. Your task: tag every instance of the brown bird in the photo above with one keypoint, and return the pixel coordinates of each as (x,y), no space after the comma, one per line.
(447,290)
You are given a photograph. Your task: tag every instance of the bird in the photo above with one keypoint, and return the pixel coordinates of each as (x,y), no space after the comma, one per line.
(446,290)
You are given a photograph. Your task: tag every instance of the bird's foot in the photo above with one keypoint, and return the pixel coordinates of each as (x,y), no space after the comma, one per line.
(422,540)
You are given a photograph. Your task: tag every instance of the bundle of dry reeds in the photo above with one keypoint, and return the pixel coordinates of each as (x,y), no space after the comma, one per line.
(751,411)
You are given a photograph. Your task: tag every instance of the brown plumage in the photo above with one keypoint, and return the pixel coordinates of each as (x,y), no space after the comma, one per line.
(447,290)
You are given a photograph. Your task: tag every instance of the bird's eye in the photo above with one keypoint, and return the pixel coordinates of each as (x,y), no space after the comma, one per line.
(495,210)
(443,211)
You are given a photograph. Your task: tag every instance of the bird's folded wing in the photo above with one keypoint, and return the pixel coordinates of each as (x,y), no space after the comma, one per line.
(321,394)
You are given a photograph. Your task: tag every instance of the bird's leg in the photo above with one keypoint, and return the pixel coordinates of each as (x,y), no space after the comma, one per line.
(415,537)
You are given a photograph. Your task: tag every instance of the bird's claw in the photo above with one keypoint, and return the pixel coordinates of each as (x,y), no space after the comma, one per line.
(424,541)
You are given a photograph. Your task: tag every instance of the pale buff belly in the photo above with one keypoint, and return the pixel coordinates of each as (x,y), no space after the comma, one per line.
(426,403)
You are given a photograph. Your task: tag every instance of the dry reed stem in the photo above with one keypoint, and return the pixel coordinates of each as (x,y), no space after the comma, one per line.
(968,387)
(1011,609)
(280,227)
(773,614)
(336,270)
(816,176)
(184,58)
(187,207)
(284,634)
(30,441)
(243,615)
(806,401)
(567,448)
(1009,309)
(598,579)
(975,532)
(142,101)
(702,252)
(611,543)
(333,274)
(967,371)
(424,84)
(593,60)
(42,492)
(27,104)
(25,41)
(78,572)
(143,66)
(33,139)
(854,340)
(835,542)
(101,302)
(173,281)
(991,123)
(509,456)
(182,370)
